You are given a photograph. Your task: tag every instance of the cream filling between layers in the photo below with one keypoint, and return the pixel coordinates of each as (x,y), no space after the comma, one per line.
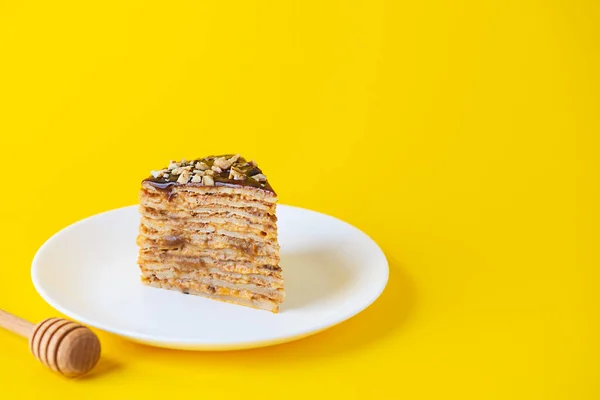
(241,191)
(249,214)
(270,281)
(219,285)
(224,266)
(227,230)
(259,302)
(200,286)
(190,202)
(188,246)
(207,255)
(171,239)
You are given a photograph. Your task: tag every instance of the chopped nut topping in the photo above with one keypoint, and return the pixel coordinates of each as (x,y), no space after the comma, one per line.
(178,170)
(259,177)
(236,174)
(201,166)
(184,177)
(156,174)
(232,169)
(222,163)
(208,180)
(197,178)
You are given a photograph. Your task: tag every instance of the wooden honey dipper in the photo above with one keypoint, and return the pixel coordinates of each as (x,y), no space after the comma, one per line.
(66,347)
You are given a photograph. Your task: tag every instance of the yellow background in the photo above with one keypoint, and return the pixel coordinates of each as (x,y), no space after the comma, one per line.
(461,135)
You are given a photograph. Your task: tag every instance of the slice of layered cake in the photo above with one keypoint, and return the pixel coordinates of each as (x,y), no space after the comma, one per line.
(208,228)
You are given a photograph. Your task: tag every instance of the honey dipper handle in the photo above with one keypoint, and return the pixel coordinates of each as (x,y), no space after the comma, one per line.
(15,324)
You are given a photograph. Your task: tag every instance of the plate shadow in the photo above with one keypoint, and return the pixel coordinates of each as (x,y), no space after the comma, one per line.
(312,276)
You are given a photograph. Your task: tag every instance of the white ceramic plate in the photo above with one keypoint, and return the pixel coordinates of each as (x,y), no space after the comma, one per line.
(88,272)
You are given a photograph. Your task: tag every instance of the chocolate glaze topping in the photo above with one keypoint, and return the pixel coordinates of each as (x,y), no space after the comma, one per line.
(247,168)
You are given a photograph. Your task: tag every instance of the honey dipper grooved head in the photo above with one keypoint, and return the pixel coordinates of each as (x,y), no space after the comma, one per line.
(65,346)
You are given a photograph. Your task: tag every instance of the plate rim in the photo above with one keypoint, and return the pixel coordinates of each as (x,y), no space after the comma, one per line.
(194,344)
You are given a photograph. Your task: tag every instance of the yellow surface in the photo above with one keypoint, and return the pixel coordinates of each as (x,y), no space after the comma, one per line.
(461,135)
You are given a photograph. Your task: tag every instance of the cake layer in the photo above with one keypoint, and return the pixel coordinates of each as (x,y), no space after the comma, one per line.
(215,242)
(244,298)
(174,189)
(171,228)
(273,293)
(214,223)
(274,281)
(172,235)
(193,263)
(178,216)
(186,199)
(208,255)
(252,215)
